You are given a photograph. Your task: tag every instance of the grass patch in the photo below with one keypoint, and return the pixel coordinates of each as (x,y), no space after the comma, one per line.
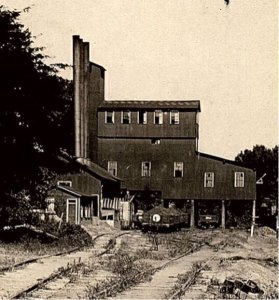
(128,272)
(184,282)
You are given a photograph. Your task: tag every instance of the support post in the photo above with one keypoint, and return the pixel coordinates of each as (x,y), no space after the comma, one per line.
(192,220)
(223,224)
(253,217)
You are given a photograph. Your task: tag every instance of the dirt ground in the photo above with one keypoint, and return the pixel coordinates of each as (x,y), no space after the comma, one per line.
(236,258)
(251,262)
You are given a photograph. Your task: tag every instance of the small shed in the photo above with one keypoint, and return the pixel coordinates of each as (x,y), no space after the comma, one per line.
(77,196)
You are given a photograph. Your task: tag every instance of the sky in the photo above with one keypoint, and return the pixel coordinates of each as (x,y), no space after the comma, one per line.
(224,56)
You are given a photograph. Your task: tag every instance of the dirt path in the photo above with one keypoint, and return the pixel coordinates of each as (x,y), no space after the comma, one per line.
(163,280)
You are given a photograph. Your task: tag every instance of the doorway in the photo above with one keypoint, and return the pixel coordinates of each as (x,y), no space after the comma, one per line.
(72,211)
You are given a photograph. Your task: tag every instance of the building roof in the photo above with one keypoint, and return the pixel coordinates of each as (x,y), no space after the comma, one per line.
(96,169)
(72,191)
(97,65)
(152,104)
(89,166)
(224,160)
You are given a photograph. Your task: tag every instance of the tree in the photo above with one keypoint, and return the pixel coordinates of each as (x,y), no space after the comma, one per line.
(263,160)
(35,115)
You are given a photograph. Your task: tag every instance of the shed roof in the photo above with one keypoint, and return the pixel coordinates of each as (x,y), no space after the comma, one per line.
(89,166)
(97,65)
(72,191)
(224,160)
(96,169)
(152,104)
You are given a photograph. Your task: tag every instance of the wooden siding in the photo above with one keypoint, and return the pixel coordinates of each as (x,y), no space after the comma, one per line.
(60,204)
(186,128)
(83,182)
(96,97)
(130,153)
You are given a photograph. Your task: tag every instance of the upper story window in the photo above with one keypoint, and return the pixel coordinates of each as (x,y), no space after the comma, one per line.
(112,167)
(67,183)
(146,169)
(142,117)
(158,117)
(209,179)
(126,117)
(109,117)
(174,117)
(238,179)
(178,169)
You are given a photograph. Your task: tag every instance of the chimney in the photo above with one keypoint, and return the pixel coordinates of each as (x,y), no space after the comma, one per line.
(76,79)
(88,78)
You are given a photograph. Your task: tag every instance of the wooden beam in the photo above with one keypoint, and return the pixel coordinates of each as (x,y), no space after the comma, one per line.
(223,224)
(253,217)
(192,220)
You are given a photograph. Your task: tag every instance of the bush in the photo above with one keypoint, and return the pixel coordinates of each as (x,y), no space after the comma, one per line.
(68,236)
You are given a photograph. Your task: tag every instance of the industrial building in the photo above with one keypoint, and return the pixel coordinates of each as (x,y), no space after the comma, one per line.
(153,145)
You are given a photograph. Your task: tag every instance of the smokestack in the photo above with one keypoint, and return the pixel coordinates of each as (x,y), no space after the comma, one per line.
(76,79)
(88,80)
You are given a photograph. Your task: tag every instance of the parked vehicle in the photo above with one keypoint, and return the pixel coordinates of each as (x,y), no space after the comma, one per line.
(160,218)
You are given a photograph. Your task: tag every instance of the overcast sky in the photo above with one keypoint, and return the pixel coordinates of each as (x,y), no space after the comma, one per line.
(225,56)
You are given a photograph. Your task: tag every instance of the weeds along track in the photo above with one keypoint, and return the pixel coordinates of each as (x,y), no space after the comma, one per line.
(135,285)
(25,277)
(61,276)
(121,284)
(189,278)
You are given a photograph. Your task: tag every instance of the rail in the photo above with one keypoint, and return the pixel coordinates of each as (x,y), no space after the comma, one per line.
(61,271)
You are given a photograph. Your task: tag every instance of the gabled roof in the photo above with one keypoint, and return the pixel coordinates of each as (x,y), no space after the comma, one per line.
(152,104)
(224,160)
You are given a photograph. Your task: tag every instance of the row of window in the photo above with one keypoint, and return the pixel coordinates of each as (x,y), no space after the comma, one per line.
(126,117)
(178,173)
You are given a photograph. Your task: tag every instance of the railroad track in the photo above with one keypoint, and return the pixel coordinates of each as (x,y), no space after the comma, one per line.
(102,245)
(57,280)
(165,276)
(194,273)
(32,260)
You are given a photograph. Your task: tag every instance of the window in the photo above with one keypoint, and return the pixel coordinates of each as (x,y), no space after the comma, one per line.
(146,169)
(112,168)
(209,179)
(239,179)
(158,117)
(155,141)
(178,169)
(109,117)
(64,183)
(142,117)
(126,117)
(174,117)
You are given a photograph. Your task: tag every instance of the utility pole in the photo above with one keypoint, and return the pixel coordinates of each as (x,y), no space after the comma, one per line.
(253,217)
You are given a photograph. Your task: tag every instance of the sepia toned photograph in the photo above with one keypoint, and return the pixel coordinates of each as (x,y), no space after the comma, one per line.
(139,148)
